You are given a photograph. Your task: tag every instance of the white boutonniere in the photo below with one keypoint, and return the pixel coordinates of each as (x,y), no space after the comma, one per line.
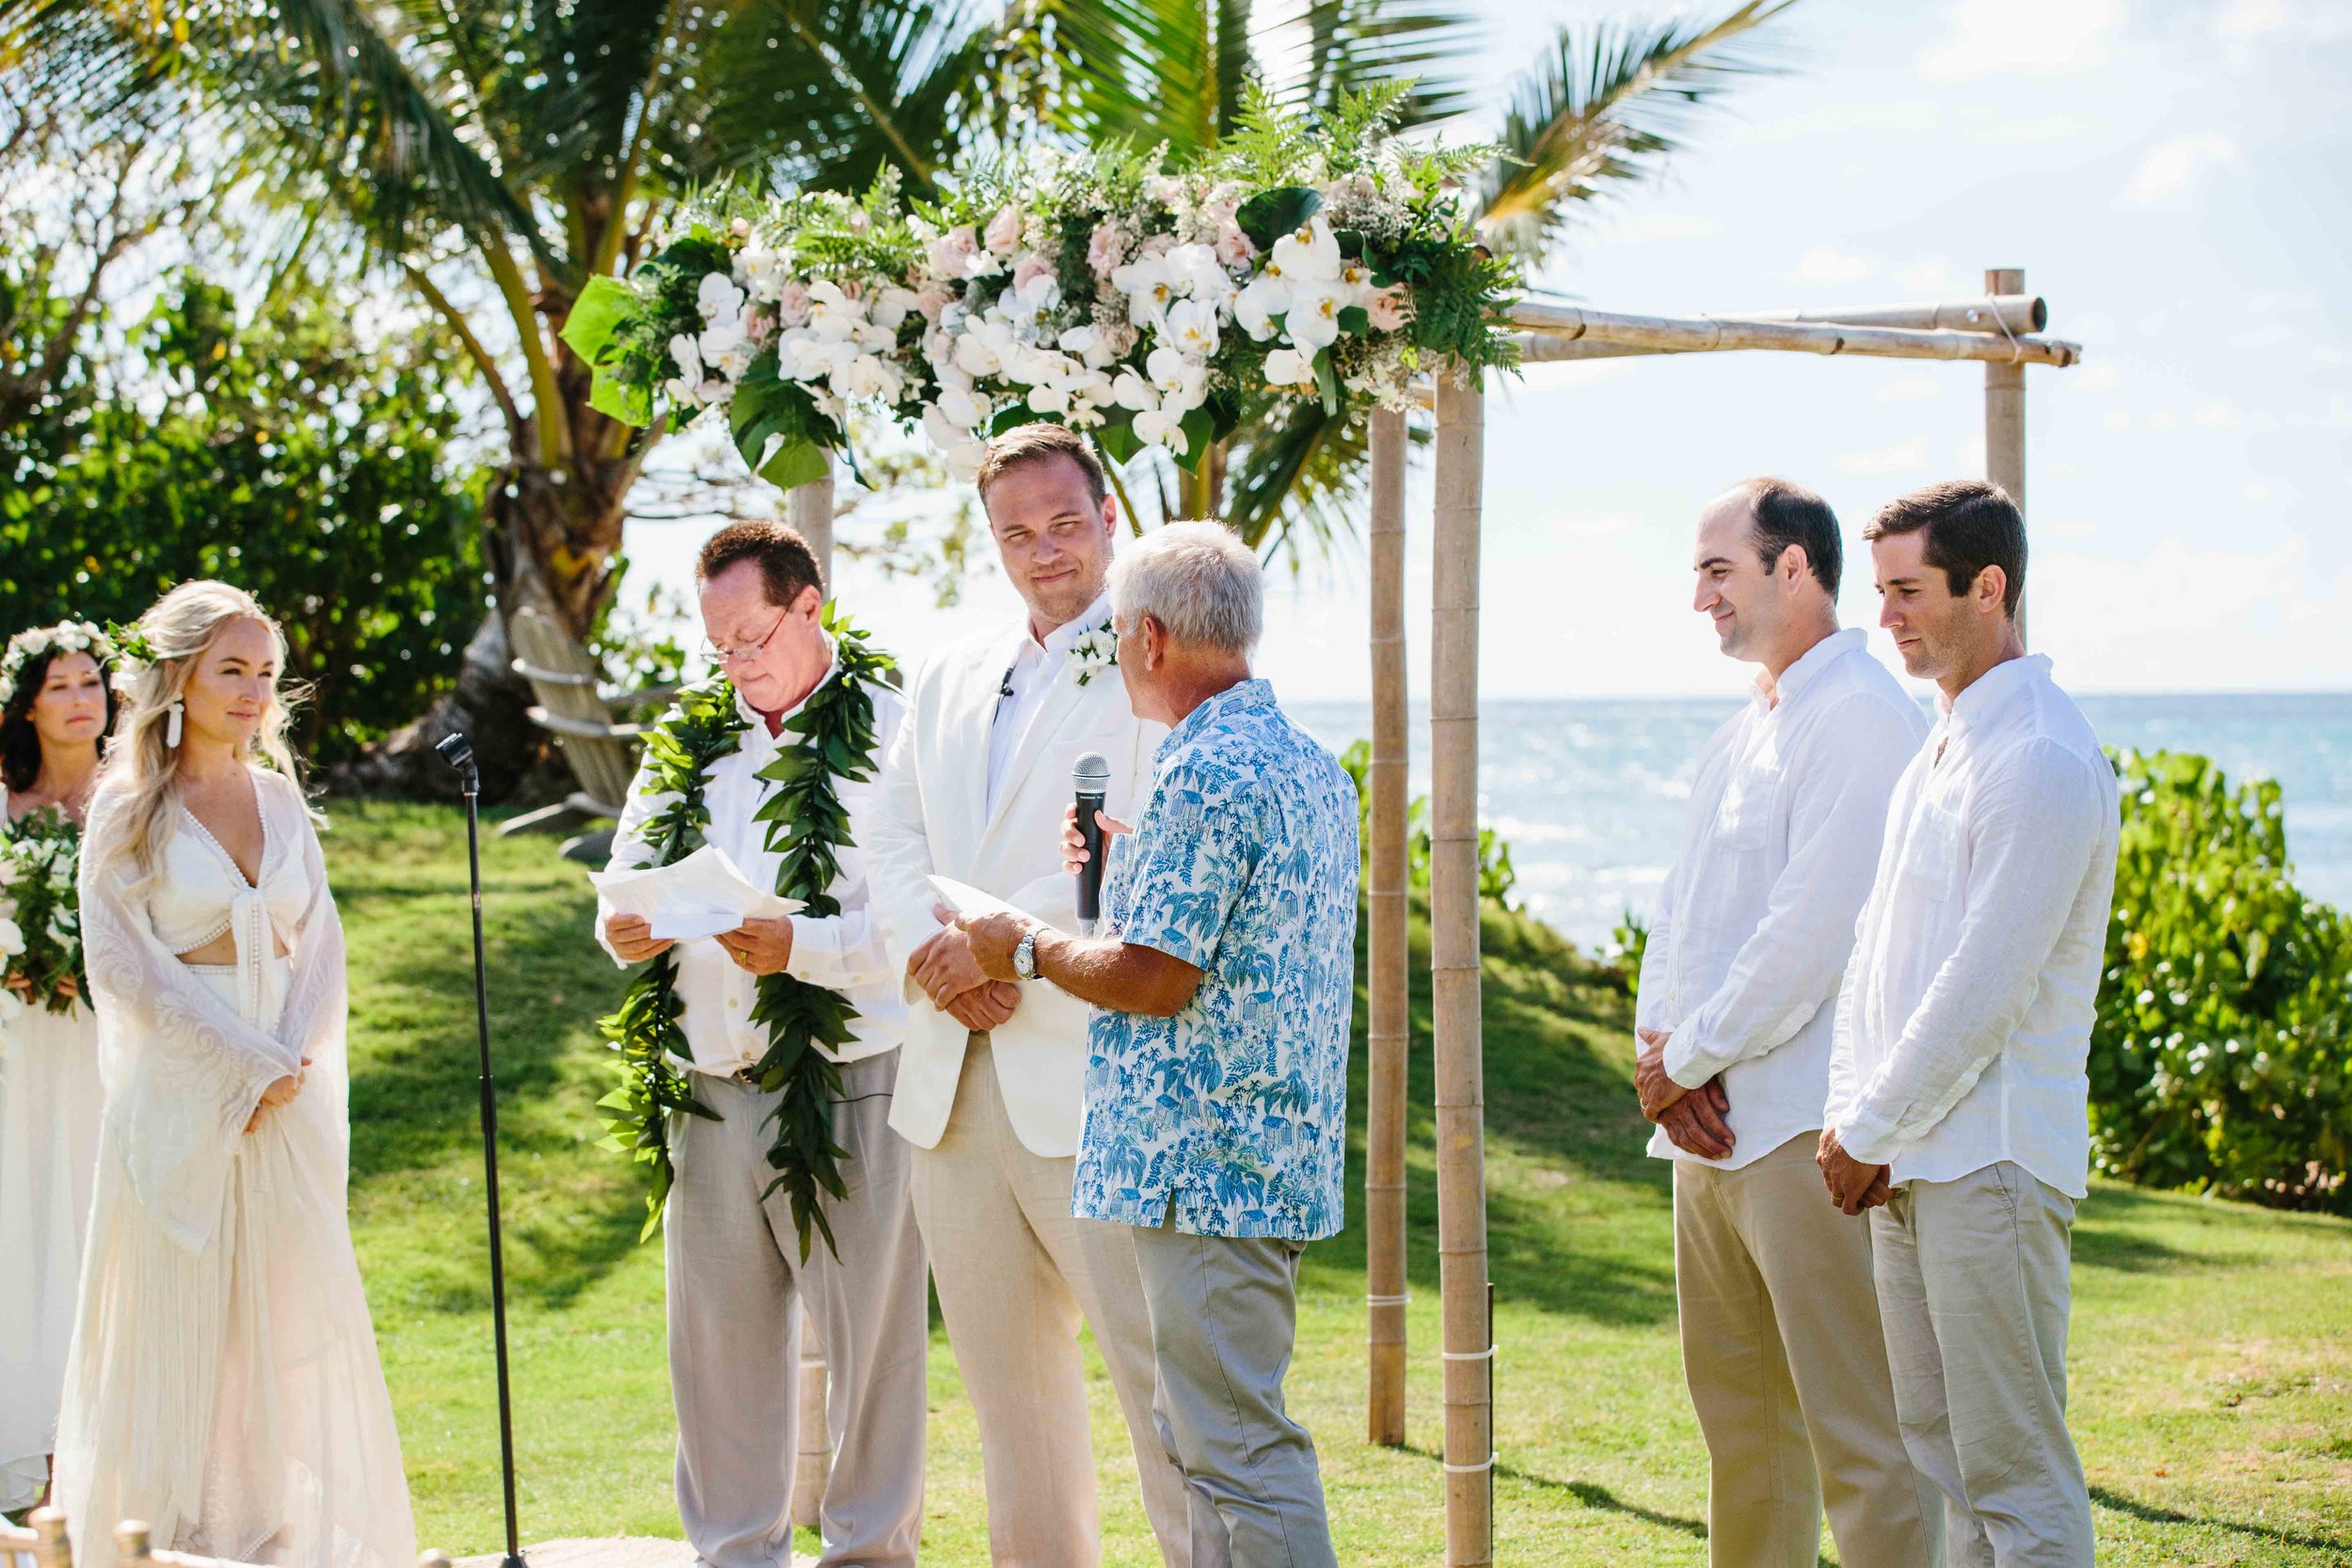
(1095,651)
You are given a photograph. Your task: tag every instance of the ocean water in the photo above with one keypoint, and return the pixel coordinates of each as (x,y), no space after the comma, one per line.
(1590,792)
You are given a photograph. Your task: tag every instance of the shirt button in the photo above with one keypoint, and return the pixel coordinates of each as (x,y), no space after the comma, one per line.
(735,1001)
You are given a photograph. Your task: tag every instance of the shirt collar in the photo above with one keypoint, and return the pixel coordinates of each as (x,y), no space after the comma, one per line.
(758,723)
(1991,692)
(1808,667)
(1241,697)
(1056,643)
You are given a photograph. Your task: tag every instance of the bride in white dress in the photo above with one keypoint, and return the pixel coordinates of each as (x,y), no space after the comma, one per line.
(223,1383)
(54,710)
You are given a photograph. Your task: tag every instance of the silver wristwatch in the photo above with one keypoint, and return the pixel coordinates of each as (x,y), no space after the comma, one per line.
(1025,955)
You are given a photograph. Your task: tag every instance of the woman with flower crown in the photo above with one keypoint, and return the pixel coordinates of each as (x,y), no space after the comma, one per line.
(55,711)
(222,1383)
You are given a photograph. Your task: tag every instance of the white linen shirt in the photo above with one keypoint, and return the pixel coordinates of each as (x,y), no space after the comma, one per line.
(1758,915)
(1965,1021)
(842,952)
(1035,666)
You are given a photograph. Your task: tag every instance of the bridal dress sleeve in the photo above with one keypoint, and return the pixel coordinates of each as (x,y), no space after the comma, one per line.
(183,1071)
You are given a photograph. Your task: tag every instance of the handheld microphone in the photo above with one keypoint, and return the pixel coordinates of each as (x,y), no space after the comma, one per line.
(1092,778)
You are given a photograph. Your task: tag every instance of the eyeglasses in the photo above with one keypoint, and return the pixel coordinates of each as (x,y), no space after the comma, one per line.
(718,655)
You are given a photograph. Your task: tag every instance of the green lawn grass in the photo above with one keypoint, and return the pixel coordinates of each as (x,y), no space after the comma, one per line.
(2212,1353)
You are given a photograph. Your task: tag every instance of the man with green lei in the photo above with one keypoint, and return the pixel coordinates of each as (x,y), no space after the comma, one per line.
(758,1068)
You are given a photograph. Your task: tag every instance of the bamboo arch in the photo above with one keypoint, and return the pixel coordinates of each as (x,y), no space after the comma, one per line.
(1996,331)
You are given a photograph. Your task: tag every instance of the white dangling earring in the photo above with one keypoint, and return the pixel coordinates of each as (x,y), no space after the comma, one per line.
(171,729)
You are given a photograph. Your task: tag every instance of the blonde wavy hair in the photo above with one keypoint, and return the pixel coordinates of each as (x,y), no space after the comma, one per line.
(140,776)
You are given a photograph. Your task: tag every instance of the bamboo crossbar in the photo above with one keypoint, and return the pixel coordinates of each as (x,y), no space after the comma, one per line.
(2002,315)
(1721,334)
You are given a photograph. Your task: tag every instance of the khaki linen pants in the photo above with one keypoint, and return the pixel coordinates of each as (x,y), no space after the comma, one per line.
(1014,1273)
(1973,1284)
(1787,1368)
(737,1286)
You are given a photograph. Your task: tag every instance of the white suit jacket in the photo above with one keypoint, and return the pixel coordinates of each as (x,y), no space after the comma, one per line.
(933,817)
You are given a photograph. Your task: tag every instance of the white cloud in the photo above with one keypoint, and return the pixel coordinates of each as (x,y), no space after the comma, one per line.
(1885,460)
(1911,388)
(2096,378)
(2168,177)
(2176,617)
(2293,21)
(2120,420)
(2038,37)
(1828,264)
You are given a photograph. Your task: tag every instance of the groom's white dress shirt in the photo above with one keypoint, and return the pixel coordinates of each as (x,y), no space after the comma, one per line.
(1757,916)
(844,951)
(1028,679)
(1965,1021)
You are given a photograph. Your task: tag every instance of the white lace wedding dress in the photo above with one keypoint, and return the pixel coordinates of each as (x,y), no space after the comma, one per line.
(49,1104)
(223,1383)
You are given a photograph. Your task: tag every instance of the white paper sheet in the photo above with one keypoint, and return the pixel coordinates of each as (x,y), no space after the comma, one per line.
(964,898)
(700,896)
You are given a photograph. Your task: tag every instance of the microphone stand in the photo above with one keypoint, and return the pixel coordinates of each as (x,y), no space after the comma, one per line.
(458,753)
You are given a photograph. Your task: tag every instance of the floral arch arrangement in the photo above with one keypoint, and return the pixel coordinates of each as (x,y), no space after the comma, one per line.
(1151,306)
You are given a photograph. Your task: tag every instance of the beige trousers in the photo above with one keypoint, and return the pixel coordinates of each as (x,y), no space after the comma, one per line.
(1786,1365)
(1973,1281)
(1014,1273)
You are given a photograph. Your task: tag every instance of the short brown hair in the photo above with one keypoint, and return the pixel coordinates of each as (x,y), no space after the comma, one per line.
(1787,514)
(786,564)
(1970,525)
(1042,441)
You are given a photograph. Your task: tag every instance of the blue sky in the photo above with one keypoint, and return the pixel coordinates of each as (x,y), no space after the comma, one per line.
(2176,178)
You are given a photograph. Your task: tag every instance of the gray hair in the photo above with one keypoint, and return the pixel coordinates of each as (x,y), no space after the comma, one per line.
(1199,580)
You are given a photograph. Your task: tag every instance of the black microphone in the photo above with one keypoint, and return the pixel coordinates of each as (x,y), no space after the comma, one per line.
(1092,778)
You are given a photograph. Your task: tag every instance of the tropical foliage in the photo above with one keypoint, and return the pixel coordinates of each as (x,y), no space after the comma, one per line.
(2222,1057)
(1496,876)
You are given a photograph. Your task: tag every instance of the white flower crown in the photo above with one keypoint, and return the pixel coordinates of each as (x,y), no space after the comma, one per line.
(66,637)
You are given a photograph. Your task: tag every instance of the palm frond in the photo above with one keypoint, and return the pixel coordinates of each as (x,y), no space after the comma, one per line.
(1350,45)
(1606,110)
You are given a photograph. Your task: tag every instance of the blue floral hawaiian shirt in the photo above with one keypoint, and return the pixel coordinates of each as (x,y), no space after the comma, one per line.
(1243,864)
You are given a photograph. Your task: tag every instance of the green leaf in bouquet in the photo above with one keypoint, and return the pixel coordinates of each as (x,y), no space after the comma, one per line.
(1199,428)
(1355,319)
(599,311)
(1116,435)
(1328,380)
(1270,214)
(610,395)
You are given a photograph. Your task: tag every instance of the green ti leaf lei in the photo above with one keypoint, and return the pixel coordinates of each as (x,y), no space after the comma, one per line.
(807,826)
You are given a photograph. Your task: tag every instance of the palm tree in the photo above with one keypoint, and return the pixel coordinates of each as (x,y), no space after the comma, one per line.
(1605,109)
(490,158)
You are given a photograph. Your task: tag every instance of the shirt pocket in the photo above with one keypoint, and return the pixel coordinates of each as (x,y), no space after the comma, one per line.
(1932,858)
(1744,820)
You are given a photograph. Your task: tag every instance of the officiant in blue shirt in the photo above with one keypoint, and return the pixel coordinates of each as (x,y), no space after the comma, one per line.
(1216,1084)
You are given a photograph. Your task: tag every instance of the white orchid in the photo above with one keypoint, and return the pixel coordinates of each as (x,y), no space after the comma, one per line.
(832,314)
(692,386)
(1286,368)
(1191,329)
(867,375)
(1150,284)
(1313,320)
(1130,390)
(975,357)
(1310,253)
(762,271)
(11,938)
(960,406)
(1158,428)
(719,299)
(1268,296)
(964,459)
(1177,379)
(1047,399)
(893,305)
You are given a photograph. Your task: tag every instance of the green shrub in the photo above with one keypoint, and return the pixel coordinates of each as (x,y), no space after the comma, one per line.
(1496,877)
(2219,1062)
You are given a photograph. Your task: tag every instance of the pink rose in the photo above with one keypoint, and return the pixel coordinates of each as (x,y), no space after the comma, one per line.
(792,305)
(1029,264)
(1119,339)
(951,250)
(1234,248)
(1388,307)
(1158,245)
(931,299)
(1004,232)
(759,326)
(1106,247)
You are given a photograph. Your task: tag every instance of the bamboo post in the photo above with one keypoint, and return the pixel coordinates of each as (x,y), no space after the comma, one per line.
(1389,1031)
(812,519)
(1467,1351)
(813,1464)
(2005,413)
(53,1549)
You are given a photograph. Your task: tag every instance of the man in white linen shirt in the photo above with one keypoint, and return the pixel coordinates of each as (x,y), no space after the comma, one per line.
(735,1273)
(1964,1024)
(993,1089)
(1781,1342)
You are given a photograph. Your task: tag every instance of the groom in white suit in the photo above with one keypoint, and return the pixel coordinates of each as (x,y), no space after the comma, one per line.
(991,1082)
